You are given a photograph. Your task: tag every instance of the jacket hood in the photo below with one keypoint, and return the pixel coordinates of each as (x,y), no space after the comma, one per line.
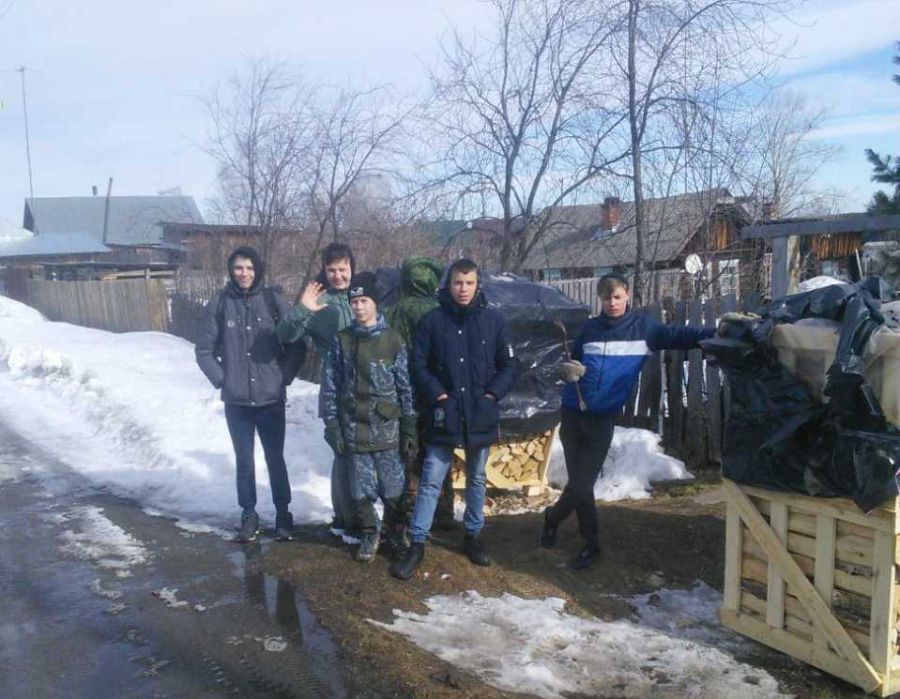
(420,276)
(446,301)
(258,265)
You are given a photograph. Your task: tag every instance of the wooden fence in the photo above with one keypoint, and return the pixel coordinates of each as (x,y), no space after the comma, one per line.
(667,282)
(118,306)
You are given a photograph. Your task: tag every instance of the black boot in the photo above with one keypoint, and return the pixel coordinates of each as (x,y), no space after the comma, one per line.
(249,528)
(588,555)
(284,526)
(404,568)
(474,549)
(548,532)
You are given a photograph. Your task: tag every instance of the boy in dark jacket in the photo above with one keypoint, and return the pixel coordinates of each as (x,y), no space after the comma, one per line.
(240,353)
(367,405)
(606,361)
(462,365)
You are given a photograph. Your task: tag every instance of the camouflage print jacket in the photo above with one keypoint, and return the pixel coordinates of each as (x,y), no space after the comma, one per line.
(366,388)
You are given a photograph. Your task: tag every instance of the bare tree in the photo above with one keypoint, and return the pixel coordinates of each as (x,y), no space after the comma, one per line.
(783,156)
(259,139)
(520,118)
(359,137)
(664,47)
(294,158)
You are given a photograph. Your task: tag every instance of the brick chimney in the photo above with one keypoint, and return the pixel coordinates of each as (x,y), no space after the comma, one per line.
(611,212)
(769,210)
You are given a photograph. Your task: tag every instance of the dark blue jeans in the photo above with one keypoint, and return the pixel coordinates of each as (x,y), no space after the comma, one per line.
(244,421)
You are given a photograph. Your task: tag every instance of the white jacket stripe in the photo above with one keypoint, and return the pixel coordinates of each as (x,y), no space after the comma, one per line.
(619,348)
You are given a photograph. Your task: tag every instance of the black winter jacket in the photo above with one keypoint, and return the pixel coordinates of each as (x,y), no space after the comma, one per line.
(244,357)
(462,351)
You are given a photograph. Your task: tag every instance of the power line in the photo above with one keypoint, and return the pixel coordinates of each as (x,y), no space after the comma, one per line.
(21,70)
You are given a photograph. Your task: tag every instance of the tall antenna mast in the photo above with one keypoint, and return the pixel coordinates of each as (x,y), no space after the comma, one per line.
(21,69)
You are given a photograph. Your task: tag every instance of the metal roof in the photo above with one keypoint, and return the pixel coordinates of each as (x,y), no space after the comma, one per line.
(43,245)
(132,220)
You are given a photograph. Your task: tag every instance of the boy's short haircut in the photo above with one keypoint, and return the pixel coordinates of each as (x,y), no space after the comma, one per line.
(461,266)
(609,283)
(334,252)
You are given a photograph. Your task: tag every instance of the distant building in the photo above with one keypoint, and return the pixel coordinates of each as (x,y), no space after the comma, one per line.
(130,227)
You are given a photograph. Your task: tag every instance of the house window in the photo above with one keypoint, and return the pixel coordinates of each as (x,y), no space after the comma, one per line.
(831,268)
(551,274)
(729,276)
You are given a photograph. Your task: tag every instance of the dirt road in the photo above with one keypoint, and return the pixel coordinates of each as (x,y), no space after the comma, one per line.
(164,612)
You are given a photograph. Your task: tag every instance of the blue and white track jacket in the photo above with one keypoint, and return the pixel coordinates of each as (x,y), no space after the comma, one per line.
(613,350)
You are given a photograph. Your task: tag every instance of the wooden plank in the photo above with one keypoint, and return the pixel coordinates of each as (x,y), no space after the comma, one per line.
(648,401)
(674,425)
(733,549)
(838,508)
(797,648)
(864,675)
(882,630)
(713,396)
(785,266)
(774,581)
(826,531)
(852,223)
(695,434)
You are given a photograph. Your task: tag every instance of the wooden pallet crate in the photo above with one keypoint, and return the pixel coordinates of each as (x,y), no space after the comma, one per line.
(512,464)
(815,578)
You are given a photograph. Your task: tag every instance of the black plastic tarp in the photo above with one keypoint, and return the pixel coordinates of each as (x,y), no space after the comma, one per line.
(779,434)
(531,311)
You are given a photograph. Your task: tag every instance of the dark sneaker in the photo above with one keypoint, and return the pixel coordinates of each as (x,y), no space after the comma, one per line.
(474,549)
(249,529)
(404,568)
(284,527)
(368,547)
(588,555)
(548,532)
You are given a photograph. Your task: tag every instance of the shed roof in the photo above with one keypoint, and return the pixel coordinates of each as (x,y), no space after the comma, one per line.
(575,238)
(32,245)
(132,220)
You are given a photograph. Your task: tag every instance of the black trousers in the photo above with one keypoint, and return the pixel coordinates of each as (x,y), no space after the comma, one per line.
(585,440)
(244,422)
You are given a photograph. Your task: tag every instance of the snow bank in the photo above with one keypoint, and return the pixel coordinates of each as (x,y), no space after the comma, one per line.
(635,460)
(133,411)
(818,283)
(535,646)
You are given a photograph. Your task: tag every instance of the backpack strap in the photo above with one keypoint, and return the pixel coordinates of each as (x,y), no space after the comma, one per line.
(269,297)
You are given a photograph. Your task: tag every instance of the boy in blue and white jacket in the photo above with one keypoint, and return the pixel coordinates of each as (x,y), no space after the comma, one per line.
(607,357)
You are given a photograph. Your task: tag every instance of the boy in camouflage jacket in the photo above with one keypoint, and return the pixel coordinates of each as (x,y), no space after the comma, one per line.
(367,404)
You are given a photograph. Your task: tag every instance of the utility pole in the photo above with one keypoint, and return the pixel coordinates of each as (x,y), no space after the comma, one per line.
(21,70)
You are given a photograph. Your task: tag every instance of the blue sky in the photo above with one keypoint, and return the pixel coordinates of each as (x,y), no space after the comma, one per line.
(112,87)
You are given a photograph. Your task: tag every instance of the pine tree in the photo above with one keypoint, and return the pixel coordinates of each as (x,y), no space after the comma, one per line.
(886,171)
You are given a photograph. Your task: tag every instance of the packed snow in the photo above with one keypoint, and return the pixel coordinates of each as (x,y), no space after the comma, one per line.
(672,648)
(635,461)
(818,282)
(132,412)
(90,536)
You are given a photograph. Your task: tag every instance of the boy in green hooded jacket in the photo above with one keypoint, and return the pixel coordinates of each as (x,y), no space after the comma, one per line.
(419,281)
